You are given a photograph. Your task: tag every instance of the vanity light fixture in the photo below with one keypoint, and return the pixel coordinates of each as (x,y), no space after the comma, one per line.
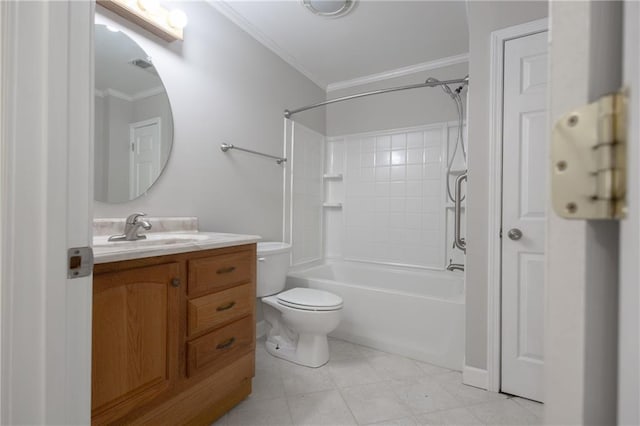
(150,15)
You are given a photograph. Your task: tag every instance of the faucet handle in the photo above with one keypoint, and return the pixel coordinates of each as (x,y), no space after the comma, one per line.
(132,218)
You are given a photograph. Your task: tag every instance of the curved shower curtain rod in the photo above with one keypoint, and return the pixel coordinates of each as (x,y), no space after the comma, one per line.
(463,81)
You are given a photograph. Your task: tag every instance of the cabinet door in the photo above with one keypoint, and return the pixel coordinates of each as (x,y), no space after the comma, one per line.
(135,337)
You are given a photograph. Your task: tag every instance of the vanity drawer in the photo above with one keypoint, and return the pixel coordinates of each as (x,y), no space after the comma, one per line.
(215,309)
(220,347)
(211,273)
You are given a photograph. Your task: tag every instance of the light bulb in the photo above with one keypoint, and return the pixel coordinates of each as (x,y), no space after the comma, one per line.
(177,19)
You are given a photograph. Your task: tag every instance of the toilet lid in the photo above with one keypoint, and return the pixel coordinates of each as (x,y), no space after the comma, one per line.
(310,299)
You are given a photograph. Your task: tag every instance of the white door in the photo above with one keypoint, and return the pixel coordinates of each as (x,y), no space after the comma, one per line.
(525,140)
(46,209)
(145,155)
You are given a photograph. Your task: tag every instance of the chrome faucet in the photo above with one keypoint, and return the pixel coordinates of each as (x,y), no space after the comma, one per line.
(131,227)
(455,266)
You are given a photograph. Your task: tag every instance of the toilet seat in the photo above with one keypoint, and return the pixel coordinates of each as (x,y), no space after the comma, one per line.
(308,299)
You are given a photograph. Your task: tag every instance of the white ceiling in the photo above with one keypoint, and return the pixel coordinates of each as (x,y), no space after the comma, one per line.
(376,37)
(114,52)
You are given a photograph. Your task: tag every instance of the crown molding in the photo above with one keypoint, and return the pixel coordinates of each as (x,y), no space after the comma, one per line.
(117,94)
(230,13)
(129,98)
(148,93)
(399,72)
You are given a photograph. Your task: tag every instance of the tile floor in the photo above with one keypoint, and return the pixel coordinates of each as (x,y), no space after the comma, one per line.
(362,386)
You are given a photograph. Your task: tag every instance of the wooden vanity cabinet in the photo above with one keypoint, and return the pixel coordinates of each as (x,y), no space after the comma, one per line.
(173,337)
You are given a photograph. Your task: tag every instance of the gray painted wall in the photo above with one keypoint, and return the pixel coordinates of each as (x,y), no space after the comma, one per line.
(100,150)
(223,86)
(484,18)
(393,110)
(118,116)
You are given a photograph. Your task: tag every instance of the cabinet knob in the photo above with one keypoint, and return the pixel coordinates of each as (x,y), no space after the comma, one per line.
(175,282)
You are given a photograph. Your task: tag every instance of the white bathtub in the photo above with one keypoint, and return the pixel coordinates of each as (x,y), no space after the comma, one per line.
(414,313)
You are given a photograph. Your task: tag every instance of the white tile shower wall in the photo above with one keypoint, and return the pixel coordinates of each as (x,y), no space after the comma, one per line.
(307,148)
(394,207)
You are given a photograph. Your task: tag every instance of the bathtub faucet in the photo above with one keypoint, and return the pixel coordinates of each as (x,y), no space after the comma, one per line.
(455,266)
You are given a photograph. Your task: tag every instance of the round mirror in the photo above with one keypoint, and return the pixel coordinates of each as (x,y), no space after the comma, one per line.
(133,120)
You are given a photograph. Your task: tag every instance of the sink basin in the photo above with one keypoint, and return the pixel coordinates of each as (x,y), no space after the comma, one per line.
(153,239)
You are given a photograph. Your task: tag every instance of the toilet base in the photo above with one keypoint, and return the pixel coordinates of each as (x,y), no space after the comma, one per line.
(310,350)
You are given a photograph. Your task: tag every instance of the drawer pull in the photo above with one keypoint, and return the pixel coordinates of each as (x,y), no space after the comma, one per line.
(226,307)
(226,344)
(226,270)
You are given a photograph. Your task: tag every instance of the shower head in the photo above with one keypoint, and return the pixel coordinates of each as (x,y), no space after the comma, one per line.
(446,88)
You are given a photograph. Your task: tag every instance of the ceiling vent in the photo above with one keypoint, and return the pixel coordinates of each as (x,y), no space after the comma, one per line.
(144,64)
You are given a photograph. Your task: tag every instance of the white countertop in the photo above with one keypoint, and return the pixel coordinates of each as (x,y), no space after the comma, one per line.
(165,243)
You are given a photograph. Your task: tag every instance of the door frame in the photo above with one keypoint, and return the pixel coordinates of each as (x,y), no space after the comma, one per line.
(132,128)
(629,297)
(494,278)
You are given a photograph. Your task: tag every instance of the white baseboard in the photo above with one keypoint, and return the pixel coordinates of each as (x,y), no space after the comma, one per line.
(475,377)
(261,329)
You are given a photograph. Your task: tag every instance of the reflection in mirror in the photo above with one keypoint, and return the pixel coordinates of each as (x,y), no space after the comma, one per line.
(133,120)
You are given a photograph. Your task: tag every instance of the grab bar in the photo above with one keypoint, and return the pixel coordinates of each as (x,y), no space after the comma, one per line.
(458,241)
(227,146)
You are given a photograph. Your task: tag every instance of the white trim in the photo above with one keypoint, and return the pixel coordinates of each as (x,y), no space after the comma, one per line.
(399,72)
(230,13)
(498,38)
(475,377)
(117,94)
(629,296)
(130,98)
(3,201)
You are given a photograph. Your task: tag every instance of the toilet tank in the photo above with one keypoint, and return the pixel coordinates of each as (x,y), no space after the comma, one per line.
(273,264)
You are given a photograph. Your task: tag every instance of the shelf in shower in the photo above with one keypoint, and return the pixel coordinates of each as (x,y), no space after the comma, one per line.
(332,205)
(332,176)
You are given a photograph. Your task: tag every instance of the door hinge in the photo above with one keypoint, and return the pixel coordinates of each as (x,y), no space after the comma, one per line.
(588,160)
(79,262)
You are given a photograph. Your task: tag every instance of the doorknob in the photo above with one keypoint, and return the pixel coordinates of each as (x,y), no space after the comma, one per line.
(514,234)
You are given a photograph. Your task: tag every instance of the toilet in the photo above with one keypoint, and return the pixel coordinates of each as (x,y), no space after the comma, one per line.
(299,319)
